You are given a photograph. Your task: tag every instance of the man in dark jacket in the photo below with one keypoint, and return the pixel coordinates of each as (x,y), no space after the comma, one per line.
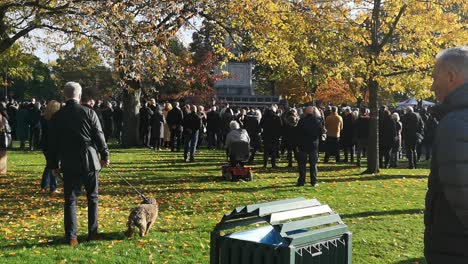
(413,133)
(76,141)
(362,133)
(347,135)
(192,125)
(446,214)
(308,132)
(145,124)
(271,125)
(34,119)
(213,128)
(290,120)
(118,121)
(174,121)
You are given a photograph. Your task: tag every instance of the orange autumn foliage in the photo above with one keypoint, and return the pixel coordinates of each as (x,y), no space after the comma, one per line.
(335,92)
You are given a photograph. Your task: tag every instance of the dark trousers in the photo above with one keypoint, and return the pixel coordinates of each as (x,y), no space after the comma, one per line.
(270,152)
(48,180)
(332,149)
(394,157)
(361,149)
(302,159)
(411,153)
(348,150)
(145,136)
(72,184)
(290,151)
(384,156)
(214,139)
(428,149)
(176,139)
(34,136)
(190,144)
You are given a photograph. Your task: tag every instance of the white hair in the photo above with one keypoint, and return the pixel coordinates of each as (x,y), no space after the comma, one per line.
(456,58)
(274,108)
(72,90)
(355,114)
(396,116)
(409,109)
(234,125)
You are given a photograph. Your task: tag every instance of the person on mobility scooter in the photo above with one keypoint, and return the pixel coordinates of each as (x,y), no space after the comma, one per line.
(238,151)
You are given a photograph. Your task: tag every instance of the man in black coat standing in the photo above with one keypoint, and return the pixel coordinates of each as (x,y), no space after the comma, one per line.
(413,134)
(77,146)
(308,132)
(213,128)
(174,121)
(145,124)
(271,125)
(446,213)
(192,124)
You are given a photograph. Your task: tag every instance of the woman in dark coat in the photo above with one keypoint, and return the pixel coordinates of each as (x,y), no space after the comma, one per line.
(157,129)
(290,120)
(271,125)
(389,136)
(22,125)
(48,179)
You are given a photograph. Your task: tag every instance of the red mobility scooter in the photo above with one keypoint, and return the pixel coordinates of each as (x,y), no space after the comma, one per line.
(235,170)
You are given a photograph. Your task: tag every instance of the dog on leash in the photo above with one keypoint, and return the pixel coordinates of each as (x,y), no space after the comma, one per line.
(142,217)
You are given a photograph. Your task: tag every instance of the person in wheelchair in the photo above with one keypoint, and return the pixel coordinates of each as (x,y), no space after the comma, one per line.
(237,144)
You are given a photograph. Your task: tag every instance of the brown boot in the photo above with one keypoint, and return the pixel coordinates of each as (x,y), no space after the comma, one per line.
(73,242)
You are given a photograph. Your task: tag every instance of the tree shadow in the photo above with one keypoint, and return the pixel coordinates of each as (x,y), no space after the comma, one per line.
(373,178)
(382,213)
(61,241)
(413,261)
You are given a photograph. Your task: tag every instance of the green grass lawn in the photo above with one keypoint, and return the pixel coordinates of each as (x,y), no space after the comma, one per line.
(384,212)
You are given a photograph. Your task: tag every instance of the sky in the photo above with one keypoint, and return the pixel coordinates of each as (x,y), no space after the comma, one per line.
(46,55)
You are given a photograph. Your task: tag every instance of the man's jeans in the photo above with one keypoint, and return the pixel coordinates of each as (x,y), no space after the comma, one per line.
(48,180)
(72,183)
(302,159)
(190,144)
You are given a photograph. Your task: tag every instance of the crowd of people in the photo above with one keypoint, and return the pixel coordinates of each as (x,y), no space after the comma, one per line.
(341,132)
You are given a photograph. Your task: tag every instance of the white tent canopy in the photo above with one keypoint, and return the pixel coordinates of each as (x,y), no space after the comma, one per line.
(414,102)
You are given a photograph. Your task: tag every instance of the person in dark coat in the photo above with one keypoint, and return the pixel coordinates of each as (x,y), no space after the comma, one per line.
(308,132)
(12,110)
(107,118)
(174,120)
(213,128)
(413,130)
(347,135)
(34,120)
(145,124)
(430,128)
(362,133)
(388,137)
(192,125)
(252,125)
(397,146)
(227,115)
(290,121)
(118,121)
(77,147)
(445,214)
(271,131)
(48,179)
(157,129)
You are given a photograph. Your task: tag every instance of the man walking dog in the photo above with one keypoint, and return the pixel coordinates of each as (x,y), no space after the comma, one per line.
(75,139)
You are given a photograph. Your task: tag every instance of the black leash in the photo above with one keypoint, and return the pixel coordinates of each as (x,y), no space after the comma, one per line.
(116,173)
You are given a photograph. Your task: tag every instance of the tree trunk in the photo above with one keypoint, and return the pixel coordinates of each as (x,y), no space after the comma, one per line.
(373,144)
(131,108)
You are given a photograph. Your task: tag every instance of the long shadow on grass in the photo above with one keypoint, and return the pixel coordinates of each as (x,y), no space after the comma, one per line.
(381,213)
(413,261)
(240,188)
(61,241)
(373,178)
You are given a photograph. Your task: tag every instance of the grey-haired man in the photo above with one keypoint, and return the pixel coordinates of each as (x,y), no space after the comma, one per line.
(446,214)
(77,146)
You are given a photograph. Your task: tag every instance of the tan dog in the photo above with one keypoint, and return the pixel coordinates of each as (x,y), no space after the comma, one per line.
(143,217)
